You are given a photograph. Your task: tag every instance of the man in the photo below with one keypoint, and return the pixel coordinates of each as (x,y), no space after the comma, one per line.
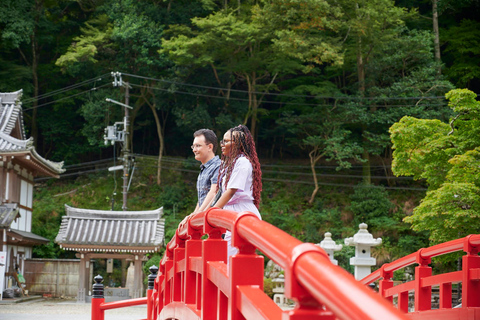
(204,147)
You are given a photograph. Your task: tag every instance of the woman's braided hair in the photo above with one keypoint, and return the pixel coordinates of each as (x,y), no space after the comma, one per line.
(243,144)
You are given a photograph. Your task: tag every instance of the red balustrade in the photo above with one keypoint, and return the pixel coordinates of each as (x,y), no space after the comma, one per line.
(196,281)
(422,285)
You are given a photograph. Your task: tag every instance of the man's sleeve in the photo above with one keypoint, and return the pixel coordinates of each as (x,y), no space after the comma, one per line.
(214,177)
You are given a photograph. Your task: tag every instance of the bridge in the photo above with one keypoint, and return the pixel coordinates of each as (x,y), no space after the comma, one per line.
(195,281)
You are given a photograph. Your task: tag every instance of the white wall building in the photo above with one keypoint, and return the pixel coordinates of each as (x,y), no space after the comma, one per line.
(19,165)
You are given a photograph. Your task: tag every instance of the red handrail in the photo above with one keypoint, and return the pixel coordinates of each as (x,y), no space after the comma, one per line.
(320,289)
(424,281)
(195,282)
(425,254)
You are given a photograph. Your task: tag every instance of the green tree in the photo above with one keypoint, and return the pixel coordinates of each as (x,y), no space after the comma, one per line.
(320,128)
(256,46)
(462,52)
(447,156)
(367,25)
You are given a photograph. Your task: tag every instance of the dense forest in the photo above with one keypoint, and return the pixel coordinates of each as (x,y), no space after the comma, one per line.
(318,82)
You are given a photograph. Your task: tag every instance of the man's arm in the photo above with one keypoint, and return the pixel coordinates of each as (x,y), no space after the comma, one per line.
(188,217)
(208,198)
(196,208)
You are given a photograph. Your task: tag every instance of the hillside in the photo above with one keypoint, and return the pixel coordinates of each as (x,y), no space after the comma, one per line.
(340,205)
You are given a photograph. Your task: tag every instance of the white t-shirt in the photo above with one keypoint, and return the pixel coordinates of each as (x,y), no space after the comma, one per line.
(241,179)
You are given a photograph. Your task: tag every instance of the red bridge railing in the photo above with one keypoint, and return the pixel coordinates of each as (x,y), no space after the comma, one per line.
(422,285)
(196,282)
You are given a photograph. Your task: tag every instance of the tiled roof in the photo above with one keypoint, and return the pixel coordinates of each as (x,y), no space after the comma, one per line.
(117,231)
(26,236)
(8,213)
(10,119)
(10,112)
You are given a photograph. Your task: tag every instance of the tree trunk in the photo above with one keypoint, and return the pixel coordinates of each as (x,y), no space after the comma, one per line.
(35,59)
(361,88)
(160,140)
(366,172)
(252,104)
(360,68)
(436,33)
(313,160)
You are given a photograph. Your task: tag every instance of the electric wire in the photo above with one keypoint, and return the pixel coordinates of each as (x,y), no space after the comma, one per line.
(81,167)
(100,78)
(62,90)
(64,98)
(280,94)
(196,94)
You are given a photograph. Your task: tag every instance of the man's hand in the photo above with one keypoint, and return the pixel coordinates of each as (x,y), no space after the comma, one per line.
(185,220)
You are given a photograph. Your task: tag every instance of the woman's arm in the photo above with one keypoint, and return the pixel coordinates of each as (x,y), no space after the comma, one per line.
(226,196)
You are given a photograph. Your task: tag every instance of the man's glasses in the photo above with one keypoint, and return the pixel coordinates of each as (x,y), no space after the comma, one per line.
(196,146)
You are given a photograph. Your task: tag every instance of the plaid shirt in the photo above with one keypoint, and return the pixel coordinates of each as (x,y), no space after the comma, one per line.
(208,176)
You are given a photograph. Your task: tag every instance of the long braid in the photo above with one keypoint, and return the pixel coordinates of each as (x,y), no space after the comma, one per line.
(243,145)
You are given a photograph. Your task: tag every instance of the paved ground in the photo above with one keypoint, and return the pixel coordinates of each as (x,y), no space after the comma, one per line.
(64,310)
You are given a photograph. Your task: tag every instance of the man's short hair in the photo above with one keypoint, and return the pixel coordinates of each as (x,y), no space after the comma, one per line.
(210,137)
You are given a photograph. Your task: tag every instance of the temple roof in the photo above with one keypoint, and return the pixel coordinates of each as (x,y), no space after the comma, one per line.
(13,142)
(90,230)
(8,213)
(25,238)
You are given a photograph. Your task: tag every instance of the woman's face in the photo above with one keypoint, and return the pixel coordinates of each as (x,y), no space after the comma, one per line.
(227,143)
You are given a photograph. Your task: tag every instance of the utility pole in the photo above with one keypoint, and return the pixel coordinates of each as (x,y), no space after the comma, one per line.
(114,134)
(126,151)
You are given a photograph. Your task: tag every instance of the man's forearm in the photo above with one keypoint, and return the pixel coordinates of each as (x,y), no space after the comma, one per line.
(208,198)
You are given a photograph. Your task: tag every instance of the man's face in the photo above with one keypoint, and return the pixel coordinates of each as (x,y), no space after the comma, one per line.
(201,150)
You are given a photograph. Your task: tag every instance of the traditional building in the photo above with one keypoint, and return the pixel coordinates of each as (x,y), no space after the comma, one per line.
(19,165)
(101,234)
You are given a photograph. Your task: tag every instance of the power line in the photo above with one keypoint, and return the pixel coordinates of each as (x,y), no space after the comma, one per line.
(62,90)
(196,94)
(64,98)
(282,94)
(177,169)
(341,184)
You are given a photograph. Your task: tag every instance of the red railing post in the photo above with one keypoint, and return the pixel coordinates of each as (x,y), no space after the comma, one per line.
(307,306)
(471,285)
(98,299)
(445,296)
(423,295)
(168,285)
(158,293)
(385,283)
(151,285)
(178,255)
(245,268)
(213,249)
(193,248)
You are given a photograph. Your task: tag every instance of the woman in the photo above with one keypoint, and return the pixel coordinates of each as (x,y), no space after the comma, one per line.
(239,175)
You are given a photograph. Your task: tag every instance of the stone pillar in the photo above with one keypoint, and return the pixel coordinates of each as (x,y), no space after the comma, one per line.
(330,247)
(363,242)
(83,277)
(138,277)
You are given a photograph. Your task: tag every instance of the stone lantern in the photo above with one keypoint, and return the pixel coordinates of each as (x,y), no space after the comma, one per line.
(279,291)
(363,242)
(330,247)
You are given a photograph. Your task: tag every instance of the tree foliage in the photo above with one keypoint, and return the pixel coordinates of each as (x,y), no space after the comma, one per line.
(447,156)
